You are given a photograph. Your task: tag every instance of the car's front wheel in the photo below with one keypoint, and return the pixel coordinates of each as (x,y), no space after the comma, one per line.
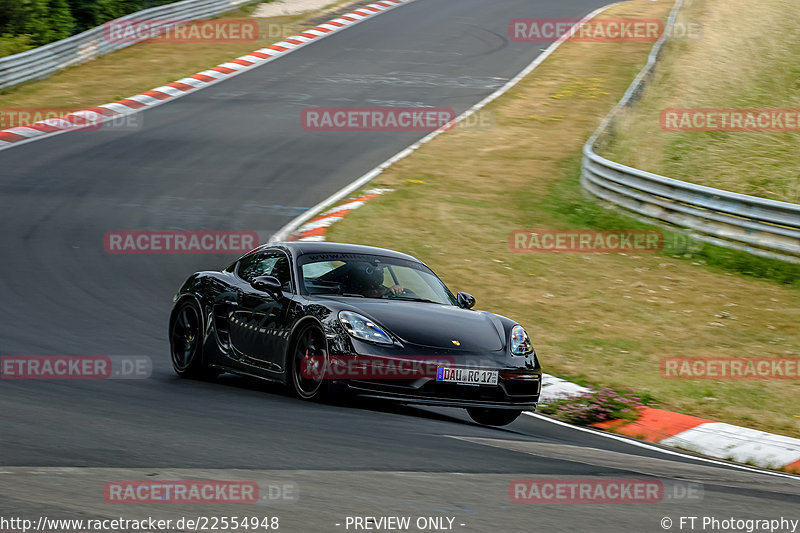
(186,342)
(308,359)
(493,417)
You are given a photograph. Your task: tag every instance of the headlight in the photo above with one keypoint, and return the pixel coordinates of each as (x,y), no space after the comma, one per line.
(520,342)
(363,328)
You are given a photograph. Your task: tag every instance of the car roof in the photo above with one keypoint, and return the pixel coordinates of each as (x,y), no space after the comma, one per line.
(298,248)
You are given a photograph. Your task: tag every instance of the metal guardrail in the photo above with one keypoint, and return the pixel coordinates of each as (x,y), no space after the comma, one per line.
(756,225)
(45,60)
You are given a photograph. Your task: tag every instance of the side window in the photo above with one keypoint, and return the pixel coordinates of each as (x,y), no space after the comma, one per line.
(411,279)
(266,264)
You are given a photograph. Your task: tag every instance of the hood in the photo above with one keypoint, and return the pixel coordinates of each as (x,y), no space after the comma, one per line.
(435,325)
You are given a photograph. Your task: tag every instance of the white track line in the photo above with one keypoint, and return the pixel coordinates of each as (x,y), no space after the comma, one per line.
(649,446)
(217,76)
(284,232)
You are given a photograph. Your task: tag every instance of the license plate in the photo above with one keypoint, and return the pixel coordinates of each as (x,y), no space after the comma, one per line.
(466,376)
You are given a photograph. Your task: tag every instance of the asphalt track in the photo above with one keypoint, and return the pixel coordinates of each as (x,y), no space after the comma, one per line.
(234,156)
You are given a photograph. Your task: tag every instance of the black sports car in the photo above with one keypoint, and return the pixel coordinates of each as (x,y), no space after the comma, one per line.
(328,318)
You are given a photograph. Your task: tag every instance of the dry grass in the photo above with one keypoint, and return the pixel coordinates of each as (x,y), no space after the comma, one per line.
(747,58)
(602,318)
(147,65)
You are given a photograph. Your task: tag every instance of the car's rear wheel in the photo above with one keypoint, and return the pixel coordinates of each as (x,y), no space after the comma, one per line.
(186,342)
(493,417)
(308,359)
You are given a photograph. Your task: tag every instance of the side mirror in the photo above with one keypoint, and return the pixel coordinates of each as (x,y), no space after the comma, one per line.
(467,301)
(268,284)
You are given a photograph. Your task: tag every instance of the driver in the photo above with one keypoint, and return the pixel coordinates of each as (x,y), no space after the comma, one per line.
(374,283)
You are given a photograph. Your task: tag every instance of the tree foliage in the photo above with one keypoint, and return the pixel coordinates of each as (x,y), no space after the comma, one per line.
(26,23)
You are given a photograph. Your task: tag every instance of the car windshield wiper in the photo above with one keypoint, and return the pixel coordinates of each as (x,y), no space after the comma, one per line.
(413,299)
(349,294)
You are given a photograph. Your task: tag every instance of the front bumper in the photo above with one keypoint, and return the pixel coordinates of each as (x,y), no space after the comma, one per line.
(519,381)
(507,394)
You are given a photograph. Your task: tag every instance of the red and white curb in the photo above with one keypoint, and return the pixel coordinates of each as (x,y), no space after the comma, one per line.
(93,116)
(316,228)
(740,444)
(554,388)
(715,439)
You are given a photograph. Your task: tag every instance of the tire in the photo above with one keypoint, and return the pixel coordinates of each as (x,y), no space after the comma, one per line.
(493,417)
(186,342)
(309,342)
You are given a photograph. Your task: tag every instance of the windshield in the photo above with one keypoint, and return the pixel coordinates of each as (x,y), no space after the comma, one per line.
(371,276)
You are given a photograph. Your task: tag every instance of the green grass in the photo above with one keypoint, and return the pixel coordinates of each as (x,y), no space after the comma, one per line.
(600,319)
(147,65)
(567,201)
(749,57)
